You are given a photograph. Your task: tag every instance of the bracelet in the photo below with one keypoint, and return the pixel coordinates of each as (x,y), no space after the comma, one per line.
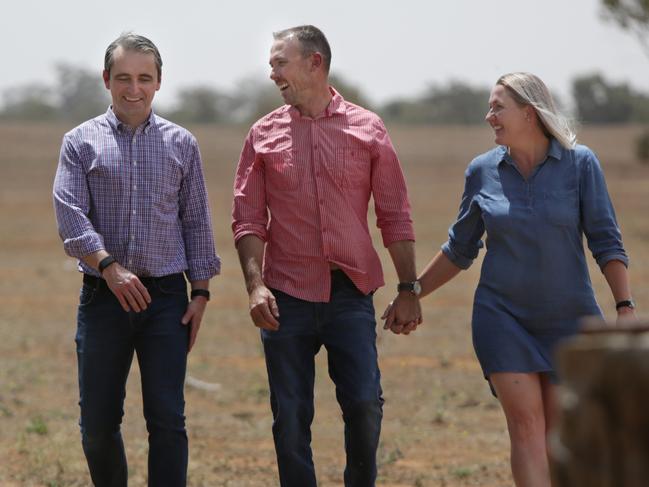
(200,292)
(627,303)
(105,262)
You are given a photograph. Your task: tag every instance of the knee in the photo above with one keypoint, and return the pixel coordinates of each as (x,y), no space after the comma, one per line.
(526,427)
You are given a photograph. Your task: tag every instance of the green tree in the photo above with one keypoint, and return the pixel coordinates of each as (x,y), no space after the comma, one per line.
(31,102)
(201,104)
(598,101)
(81,93)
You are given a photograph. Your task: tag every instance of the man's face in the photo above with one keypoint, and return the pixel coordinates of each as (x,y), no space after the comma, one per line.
(132,81)
(291,71)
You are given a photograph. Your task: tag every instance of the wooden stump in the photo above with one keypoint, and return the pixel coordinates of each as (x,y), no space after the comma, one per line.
(603,434)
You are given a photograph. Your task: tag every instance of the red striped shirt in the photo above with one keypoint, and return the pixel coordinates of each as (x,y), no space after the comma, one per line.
(303,186)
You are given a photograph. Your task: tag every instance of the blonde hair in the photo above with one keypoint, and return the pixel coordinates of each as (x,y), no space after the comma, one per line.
(528,89)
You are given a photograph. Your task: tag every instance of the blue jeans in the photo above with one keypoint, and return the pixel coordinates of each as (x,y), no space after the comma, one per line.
(347,328)
(107,337)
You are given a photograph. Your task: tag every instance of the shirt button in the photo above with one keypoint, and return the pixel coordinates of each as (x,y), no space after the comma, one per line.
(134,212)
(134,187)
(132,237)
(130,262)
(135,163)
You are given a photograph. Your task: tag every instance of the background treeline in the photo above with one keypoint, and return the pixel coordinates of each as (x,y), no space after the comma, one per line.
(78,94)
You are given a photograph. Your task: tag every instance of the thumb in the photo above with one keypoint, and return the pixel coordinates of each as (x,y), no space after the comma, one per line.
(186,317)
(273,306)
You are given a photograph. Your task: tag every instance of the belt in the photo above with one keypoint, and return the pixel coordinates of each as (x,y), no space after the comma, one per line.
(146,280)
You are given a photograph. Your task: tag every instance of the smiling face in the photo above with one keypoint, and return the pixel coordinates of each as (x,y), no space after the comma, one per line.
(132,81)
(292,72)
(509,120)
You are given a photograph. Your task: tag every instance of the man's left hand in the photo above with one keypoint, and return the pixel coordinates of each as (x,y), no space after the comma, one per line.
(193,317)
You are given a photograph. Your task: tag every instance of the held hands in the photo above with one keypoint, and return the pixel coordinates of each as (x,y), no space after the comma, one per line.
(127,288)
(263,308)
(403,314)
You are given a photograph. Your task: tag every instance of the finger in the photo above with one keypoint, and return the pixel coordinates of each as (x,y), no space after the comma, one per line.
(268,316)
(193,332)
(389,320)
(139,297)
(186,317)
(273,306)
(387,310)
(122,301)
(132,301)
(143,290)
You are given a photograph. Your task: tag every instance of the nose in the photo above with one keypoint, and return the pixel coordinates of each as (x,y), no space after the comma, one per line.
(273,74)
(490,115)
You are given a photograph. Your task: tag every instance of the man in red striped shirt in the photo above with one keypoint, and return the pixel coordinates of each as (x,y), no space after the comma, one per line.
(301,194)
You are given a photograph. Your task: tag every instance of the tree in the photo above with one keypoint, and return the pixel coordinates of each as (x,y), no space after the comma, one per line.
(600,102)
(201,104)
(32,102)
(631,15)
(455,103)
(81,93)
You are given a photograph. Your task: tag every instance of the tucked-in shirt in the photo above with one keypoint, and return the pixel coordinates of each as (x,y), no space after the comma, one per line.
(138,194)
(303,186)
(535,256)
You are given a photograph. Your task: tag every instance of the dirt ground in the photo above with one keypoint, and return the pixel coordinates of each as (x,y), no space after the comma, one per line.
(441,426)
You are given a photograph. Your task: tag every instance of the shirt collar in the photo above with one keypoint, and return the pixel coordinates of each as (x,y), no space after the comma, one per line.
(120,126)
(336,106)
(554,150)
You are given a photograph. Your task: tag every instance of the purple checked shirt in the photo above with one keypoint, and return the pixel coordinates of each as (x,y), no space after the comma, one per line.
(138,194)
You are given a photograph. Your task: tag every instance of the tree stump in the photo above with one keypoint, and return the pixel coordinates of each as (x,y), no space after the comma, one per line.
(603,435)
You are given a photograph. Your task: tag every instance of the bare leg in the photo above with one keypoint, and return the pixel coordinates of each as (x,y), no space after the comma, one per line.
(522,399)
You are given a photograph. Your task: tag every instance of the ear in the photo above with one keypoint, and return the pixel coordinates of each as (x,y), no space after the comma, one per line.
(530,114)
(316,61)
(106,76)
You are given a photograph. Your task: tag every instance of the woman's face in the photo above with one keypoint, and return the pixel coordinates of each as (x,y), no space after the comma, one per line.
(508,119)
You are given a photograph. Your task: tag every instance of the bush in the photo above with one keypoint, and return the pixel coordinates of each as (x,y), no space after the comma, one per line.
(642,147)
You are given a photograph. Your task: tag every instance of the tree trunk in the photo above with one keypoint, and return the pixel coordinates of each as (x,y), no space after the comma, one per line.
(603,434)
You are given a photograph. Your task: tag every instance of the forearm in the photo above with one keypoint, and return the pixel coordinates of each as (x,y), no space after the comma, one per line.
(251,254)
(617,276)
(438,272)
(403,257)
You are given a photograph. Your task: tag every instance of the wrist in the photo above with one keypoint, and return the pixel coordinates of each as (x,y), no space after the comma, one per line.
(200,294)
(625,304)
(105,263)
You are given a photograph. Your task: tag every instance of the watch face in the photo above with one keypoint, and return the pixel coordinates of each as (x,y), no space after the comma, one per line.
(416,288)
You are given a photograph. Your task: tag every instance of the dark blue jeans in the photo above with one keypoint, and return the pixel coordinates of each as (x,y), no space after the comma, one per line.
(107,337)
(347,328)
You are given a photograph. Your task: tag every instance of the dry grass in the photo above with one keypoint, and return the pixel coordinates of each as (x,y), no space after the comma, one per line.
(441,425)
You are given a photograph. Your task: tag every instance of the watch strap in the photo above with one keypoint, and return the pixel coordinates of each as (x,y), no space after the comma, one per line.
(200,292)
(105,262)
(626,303)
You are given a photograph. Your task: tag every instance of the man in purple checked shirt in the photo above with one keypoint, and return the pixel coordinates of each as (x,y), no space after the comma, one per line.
(131,205)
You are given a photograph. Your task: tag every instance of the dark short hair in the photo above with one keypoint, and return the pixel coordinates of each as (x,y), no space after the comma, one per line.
(311,40)
(132,42)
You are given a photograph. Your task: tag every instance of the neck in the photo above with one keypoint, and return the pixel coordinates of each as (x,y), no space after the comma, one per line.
(131,122)
(532,152)
(316,103)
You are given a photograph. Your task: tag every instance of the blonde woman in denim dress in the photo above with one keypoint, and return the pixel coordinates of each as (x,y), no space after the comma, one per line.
(535,196)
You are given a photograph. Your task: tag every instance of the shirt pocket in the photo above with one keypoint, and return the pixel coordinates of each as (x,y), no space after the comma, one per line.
(282,170)
(354,167)
(562,207)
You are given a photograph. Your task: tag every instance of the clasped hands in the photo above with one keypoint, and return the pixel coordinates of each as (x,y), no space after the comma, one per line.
(403,314)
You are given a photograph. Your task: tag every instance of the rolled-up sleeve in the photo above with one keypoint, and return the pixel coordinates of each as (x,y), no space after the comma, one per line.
(249,207)
(202,261)
(72,204)
(389,190)
(464,236)
(597,214)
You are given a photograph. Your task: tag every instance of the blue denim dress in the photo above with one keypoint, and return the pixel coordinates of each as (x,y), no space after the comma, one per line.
(534,284)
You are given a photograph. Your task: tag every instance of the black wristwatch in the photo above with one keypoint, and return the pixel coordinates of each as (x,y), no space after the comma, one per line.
(200,292)
(413,287)
(627,303)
